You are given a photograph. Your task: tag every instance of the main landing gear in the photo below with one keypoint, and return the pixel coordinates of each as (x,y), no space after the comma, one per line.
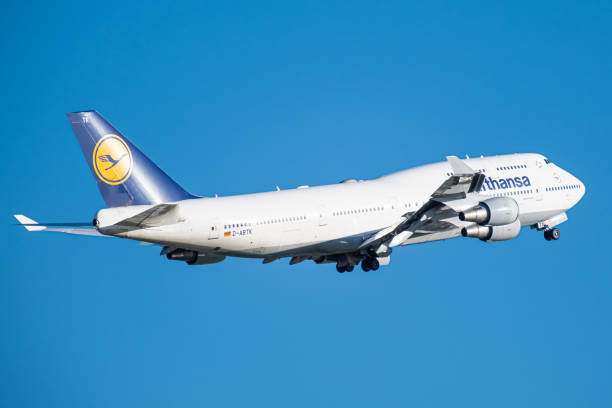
(552,234)
(370,264)
(344,268)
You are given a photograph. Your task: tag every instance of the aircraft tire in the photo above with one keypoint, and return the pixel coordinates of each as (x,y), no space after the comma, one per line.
(339,268)
(349,268)
(555,234)
(374,265)
(365,265)
(547,235)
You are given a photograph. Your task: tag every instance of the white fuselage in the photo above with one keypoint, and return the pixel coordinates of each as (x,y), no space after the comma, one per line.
(333,219)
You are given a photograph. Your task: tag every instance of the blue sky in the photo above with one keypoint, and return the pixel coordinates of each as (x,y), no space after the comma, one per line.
(239,97)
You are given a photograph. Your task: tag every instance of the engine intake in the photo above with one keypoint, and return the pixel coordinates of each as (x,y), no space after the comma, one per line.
(494,211)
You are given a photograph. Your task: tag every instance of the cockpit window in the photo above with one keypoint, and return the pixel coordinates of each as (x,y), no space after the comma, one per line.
(546,161)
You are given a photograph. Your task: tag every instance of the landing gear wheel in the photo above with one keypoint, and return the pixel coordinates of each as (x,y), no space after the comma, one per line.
(369,264)
(340,268)
(349,268)
(555,234)
(547,235)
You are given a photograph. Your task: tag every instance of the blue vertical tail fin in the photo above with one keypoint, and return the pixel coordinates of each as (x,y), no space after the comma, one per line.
(124,175)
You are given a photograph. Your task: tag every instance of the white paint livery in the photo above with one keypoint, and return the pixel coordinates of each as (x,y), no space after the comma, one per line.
(353,221)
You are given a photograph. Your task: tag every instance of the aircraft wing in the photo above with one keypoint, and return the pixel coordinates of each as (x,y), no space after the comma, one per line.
(436,216)
(76,228)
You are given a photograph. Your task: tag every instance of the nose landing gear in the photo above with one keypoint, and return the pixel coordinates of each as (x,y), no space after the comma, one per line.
(552,234)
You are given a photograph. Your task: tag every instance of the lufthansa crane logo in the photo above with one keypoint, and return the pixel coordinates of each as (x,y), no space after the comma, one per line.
(112,160)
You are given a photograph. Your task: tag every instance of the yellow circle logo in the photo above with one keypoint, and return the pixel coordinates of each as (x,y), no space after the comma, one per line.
(112,160)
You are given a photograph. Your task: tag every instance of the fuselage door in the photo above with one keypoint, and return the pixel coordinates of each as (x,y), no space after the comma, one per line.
(539,180)
(322,214)
(538,192)
(213,231)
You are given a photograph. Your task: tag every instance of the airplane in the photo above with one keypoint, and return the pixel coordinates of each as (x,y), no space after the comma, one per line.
(349,223)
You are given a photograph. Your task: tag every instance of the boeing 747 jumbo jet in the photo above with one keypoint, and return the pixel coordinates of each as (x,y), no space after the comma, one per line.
(352,222)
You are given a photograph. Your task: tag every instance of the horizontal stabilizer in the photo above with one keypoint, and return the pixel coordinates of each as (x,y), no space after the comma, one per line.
(75,228)
(111,221)
(29,223)
(161,214)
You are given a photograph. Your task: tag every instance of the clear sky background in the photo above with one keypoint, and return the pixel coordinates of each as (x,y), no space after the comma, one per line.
(239,97)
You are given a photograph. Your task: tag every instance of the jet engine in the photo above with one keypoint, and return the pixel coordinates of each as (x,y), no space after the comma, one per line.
(494,211)
(193,257)
(492,233)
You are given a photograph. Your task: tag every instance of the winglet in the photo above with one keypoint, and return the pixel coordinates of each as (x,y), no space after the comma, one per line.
(458,166)
(28,223)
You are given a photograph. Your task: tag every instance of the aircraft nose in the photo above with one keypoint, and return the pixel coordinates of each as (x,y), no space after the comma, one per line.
(582,188)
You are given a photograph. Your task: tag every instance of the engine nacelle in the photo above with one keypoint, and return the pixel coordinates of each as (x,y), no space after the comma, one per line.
(494,211)
(193,257)
(207,259)
(492,233)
